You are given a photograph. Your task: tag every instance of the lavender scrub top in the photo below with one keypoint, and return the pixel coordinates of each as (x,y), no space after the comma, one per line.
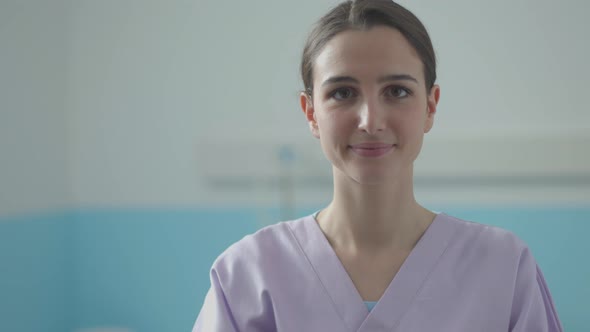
(460,276)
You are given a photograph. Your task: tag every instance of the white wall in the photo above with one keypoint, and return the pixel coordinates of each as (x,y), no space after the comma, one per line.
(510,65)
(149,83)
(148,79)
(32,114)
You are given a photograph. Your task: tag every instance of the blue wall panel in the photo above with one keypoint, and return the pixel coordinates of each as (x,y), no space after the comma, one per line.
(147,269)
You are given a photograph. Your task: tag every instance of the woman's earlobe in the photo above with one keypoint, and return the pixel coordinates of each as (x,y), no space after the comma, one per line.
(428,125)
(429,121)
(313,127)
(307,108)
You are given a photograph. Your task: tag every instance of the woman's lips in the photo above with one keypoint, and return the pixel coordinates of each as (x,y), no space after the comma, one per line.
(371,149)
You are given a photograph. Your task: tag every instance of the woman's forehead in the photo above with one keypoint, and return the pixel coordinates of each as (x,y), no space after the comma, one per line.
(374,52)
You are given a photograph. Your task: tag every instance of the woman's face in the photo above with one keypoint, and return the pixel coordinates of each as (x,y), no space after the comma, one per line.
(370,107)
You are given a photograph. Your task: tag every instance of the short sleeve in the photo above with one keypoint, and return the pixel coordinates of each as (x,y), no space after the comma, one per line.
(532,306)
(215,315)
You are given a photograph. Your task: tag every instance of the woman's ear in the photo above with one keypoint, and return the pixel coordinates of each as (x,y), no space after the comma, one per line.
(432,102)
(309,111)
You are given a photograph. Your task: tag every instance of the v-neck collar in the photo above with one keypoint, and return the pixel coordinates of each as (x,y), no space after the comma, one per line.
(397,297)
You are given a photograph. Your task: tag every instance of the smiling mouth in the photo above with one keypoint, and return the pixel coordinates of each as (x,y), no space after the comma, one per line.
(372,149)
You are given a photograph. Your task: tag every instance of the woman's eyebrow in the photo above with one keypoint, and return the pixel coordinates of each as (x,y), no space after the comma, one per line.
(386,78)
(397,77)
(339,79)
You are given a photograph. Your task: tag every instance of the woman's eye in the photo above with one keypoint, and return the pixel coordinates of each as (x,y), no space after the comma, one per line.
(342,93)
(399,92)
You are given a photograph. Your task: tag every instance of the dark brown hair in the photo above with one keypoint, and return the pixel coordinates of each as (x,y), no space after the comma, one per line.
(363,15)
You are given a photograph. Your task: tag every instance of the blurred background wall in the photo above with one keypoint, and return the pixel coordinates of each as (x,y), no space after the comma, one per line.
(138,139)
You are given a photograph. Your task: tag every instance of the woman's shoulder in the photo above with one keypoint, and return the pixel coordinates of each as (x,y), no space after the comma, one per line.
(485,241)
(498,265)
(480,252)
(266,246)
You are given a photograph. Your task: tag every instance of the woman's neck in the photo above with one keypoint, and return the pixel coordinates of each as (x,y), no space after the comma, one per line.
(371,218)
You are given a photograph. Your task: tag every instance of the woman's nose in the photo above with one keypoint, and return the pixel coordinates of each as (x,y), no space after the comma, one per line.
(371,118)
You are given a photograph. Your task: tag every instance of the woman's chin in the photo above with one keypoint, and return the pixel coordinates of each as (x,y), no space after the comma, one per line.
(373,179)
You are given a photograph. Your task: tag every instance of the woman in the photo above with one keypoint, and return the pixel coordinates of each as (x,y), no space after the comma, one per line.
(374,259)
